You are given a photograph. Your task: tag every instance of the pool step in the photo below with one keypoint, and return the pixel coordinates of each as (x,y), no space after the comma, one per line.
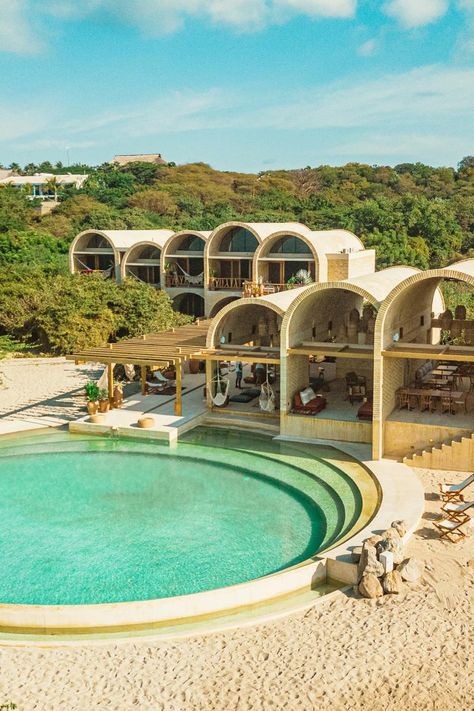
(262,424)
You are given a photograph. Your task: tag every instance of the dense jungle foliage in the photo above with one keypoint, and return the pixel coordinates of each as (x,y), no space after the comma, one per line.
(411,214)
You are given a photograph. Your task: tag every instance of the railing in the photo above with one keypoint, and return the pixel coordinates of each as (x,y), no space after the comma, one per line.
(182,280)
(231,283)
(251,288)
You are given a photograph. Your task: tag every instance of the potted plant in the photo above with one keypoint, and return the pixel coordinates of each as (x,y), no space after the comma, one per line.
(92,397)
(104,404)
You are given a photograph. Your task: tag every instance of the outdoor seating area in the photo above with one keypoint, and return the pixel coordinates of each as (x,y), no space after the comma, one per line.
(439,387)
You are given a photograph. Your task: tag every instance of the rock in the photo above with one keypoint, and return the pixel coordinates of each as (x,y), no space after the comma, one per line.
(401,527)
(390,534)
(373,540)
(411,570)
(368,563)
(356,553)
(392,583)
(370,586)
(396,547)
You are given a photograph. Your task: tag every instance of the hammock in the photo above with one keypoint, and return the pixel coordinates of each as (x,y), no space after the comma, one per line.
(105,272)
(129,369)
(267,396)
(220,398)
(103,382)
(198,279)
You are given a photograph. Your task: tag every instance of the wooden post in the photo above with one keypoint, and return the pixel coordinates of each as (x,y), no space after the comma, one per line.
(143,378)
(209,378)
(178,405)
(110,383)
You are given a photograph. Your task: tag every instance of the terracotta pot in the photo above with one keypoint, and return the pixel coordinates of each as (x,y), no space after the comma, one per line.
(92,407)
(104,405)
(194,367)
(98,419)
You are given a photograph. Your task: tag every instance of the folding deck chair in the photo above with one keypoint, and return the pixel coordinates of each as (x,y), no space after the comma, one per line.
(452,492)
(451,529)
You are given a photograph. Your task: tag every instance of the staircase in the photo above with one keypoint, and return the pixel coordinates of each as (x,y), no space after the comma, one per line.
(454,455)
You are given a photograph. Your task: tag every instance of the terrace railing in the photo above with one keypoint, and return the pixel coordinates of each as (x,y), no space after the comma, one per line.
(251,288)
(173,280)
(230,283)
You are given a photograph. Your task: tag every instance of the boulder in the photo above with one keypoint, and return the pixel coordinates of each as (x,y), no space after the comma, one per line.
(411,570)
(373,540)
(396,547)
(370,587)
(368,563)
(392,583)
(401,527)
(356,552)
(390,534)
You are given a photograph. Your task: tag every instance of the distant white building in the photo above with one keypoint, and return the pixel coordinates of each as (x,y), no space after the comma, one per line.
(43,186)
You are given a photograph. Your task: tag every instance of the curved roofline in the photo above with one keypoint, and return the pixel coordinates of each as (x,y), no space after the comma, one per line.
(233,306)
(227,226)
(126,256)
(203,235)
(77,238)
(346,285)
(290,233)
(403,286)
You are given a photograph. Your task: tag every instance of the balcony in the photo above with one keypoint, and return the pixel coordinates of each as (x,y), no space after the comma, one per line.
(254,289)
(184,281)
(226,283)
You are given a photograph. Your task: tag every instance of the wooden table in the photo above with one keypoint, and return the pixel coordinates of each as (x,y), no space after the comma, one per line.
(435,393)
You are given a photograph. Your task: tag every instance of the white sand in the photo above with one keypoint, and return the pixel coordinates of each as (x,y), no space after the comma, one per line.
(412,652)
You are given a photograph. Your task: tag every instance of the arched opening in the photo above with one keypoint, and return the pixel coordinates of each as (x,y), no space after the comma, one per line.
(331,352)
(220,305)
(184,261)
(142,262)
(427,364)
(231,258)
(244,339)
(93,252)
(284,262)
(190,304)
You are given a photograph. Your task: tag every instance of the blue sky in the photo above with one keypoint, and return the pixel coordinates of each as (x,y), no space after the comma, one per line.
(241,84)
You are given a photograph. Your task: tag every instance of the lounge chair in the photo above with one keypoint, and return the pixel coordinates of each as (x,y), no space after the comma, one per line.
(152,388)
(450,529)
(162,379)
(452,492)
(457,512)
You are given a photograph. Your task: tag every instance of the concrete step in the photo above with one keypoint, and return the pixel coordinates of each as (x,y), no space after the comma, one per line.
(456,455)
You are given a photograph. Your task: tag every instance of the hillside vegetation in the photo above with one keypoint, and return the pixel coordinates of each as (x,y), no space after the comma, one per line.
(411,214)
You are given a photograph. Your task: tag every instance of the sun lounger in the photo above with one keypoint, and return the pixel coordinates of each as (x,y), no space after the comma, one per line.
(457,512)
(452,492)
(154,387)
(451,529)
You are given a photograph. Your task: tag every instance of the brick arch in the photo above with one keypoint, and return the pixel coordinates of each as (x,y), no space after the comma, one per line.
(76,241)
(381,383)
(265,246)
(308,292)
(233,306)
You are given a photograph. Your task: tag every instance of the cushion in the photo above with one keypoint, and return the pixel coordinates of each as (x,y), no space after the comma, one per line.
(307,395)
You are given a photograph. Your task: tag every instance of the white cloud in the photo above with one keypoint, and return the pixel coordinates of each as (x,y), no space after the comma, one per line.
(16,32)
(416,13)
(158,17)
(368,49)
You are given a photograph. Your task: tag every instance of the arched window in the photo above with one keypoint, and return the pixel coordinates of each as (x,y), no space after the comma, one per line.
(191,243)
(289,245)
(97,242)
(147,252)
(238,239)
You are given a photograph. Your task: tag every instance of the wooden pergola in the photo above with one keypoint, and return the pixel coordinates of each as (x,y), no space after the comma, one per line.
(153,350)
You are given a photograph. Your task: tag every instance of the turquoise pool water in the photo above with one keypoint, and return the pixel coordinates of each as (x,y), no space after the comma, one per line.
(96,520)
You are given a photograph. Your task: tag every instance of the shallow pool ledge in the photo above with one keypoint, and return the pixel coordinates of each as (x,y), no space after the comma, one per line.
(128,614)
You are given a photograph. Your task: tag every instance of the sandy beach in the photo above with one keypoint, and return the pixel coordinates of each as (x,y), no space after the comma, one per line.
(410,652)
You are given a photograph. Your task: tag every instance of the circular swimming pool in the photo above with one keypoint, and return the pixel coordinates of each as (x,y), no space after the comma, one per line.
(86,521)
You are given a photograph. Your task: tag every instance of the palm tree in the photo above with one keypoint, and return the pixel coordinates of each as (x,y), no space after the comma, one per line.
(51,186)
